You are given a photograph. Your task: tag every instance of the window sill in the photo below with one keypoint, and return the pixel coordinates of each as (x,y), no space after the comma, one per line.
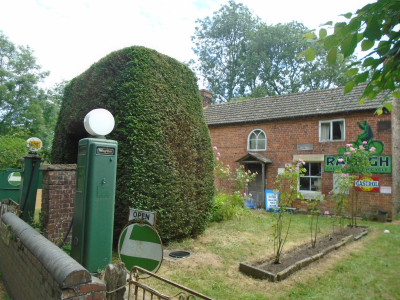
(310,195)
(331,141)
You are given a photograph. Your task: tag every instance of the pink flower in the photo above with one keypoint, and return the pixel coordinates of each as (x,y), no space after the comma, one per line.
(361,147)
(349,145)
(250,195)
(244,194)
(326,212)
(365,142)
(215,148)
(372,149)
(300,161)
(343,175)
(352,149)
(218,154)
(296,168)
(217,158)
(343,165)
(340,160)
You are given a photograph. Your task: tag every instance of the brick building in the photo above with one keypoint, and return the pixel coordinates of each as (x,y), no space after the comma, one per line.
(264,134)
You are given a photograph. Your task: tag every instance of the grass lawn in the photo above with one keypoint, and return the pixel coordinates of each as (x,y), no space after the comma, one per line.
(366,269)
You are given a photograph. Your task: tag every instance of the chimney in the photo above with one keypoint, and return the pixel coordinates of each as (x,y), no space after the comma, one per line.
(206,95)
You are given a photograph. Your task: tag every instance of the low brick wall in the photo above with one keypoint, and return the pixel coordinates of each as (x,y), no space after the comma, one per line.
(58,194)
(34,268)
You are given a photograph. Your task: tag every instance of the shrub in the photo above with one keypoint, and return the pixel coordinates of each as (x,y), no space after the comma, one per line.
(226,206)
(165,159)
(11,150)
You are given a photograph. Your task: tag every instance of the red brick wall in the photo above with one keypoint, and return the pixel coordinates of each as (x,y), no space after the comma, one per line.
(58,194)
(283,136)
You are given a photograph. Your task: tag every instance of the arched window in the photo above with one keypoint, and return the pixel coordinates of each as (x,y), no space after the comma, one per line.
(257,140)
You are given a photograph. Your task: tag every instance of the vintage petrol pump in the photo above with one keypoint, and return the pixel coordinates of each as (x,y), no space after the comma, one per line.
(92,233)
(30,180)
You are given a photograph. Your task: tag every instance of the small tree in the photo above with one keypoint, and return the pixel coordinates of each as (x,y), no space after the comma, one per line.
(312,205)
(286,184)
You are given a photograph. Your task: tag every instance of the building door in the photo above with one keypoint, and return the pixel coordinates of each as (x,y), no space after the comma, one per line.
(256,187)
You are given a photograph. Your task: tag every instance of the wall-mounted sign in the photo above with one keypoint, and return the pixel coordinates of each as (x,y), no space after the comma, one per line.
(367,184)
(380,164)
(271,199)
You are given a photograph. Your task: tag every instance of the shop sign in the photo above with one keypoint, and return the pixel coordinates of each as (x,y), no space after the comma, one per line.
(380,164)
(367,184)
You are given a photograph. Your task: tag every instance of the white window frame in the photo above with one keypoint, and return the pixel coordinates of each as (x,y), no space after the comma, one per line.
(331,129)
(248,140)
(310,158)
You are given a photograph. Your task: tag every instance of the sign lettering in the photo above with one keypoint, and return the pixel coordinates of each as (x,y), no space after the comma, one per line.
(380,164)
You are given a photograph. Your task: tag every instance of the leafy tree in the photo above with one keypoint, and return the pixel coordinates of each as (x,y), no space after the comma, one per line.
(25,108)
(221,44)
(279,70)
(240,56)
(12,148)
(376,29)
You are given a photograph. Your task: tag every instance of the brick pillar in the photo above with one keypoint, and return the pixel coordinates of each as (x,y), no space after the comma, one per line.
(58,194)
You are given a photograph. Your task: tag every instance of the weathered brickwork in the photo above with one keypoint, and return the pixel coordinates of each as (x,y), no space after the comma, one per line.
(58,194)
(34,268)
(283,138)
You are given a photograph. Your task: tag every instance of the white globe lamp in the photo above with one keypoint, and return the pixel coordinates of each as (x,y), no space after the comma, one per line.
(99,122)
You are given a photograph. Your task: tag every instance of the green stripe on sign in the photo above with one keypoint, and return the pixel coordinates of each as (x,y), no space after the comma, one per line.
(145,234)
(145,263)
(122,238)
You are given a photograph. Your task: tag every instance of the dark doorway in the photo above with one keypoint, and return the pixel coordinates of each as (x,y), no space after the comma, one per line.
(256,187)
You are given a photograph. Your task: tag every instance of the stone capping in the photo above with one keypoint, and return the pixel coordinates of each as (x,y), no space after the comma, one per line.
(65,270)
(258,273)
(65,167)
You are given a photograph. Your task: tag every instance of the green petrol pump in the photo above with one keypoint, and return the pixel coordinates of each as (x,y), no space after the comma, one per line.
(92,231)
(29,180)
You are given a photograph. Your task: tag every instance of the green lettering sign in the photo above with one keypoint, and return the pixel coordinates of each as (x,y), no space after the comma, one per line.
(380,164)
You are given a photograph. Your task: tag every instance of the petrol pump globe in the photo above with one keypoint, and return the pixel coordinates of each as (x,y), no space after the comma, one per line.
(99,122)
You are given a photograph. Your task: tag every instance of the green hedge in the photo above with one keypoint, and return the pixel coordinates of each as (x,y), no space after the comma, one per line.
(165,159)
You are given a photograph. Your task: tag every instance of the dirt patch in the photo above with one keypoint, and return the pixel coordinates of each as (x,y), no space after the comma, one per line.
(304,251)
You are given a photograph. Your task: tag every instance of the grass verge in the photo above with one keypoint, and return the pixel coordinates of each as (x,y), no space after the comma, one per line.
(366,269)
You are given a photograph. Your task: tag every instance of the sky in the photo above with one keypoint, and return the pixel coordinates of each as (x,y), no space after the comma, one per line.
(68,36)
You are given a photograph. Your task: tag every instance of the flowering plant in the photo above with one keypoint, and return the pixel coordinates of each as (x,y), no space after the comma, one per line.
(227,205)
(356,162)
(286,184)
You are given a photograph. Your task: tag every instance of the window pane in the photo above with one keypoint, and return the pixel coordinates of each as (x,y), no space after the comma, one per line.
(252,144)
(337,130)
(315,169)
(315,184)
(261,144)
(325,131)
(304,183)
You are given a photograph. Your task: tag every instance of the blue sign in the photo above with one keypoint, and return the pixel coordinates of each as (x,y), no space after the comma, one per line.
(271,199)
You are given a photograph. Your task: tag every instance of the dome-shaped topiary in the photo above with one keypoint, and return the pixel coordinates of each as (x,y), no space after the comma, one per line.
(165,159)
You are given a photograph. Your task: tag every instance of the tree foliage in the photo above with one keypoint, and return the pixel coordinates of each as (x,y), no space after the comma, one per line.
(375,28)
(239,56)
(165,159)
(25,108)
(221,44)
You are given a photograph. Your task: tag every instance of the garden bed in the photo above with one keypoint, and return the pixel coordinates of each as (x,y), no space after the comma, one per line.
(300,256)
